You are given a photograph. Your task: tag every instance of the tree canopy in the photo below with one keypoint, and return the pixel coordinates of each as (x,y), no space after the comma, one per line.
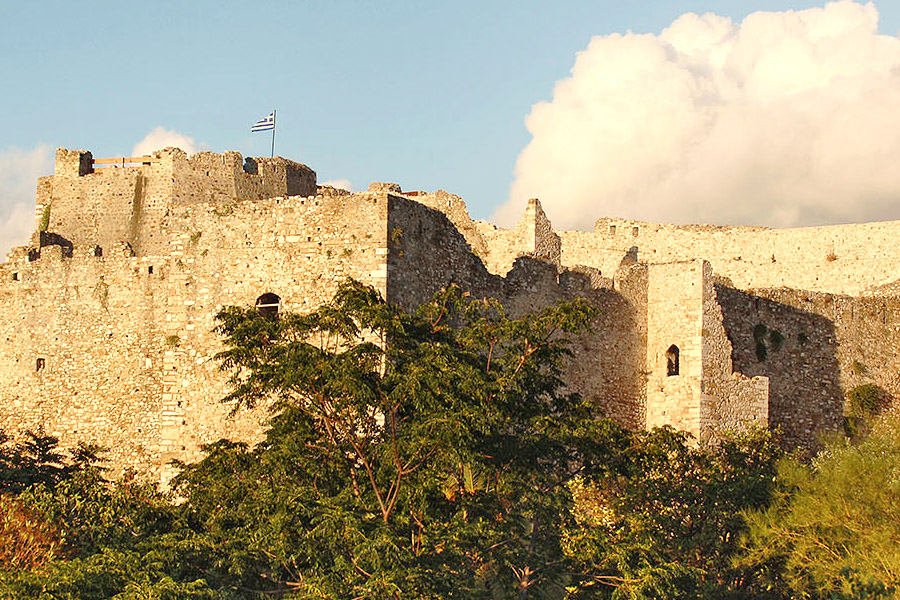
(438,455)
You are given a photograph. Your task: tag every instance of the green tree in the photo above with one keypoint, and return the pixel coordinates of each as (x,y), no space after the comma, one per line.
(663,520)
(66,533)
(417,455)
(833,529)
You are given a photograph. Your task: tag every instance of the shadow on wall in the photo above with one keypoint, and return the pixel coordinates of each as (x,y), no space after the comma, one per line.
(426,253)
(607,362)
(797,351)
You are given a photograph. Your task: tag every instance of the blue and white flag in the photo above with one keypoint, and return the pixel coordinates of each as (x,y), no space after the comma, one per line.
(267,123)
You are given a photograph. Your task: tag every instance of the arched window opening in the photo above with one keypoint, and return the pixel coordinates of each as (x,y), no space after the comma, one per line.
(672,365)
(268,304)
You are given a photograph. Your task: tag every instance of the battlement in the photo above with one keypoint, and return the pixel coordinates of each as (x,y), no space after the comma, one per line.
(98,202)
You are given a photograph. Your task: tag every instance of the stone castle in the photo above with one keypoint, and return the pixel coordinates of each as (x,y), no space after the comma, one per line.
(110,308)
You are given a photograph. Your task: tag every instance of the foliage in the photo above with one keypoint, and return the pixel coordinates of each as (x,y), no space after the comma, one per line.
(664,520)
(27,541)
(437,455)
(66,533)
(864,403)
(45,219)
(867,400)
(37,460)
(420,455)
(833,526)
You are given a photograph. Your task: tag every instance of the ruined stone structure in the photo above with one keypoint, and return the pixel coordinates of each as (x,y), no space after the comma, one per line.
(109,310)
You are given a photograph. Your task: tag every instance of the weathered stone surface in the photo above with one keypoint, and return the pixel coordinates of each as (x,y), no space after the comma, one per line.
(110,310)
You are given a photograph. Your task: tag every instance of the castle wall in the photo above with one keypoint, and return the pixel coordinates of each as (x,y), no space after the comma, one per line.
(732,401)
(831,344)
(110,327)
(427,253)
(82,351)
(609,362)
(847,259)
(128,341)
(795,347)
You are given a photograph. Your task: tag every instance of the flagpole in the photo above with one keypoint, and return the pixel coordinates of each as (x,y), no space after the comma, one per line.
(273,134)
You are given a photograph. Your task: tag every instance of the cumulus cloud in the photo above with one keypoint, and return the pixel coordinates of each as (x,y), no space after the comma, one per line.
(19,170)
(341,184)
(160,138)
(785,119)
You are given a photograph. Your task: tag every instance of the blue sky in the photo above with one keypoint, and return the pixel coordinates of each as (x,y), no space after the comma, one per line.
(428,94)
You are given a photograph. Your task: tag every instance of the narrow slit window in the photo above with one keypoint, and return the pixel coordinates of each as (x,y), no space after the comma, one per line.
(40,364)
(672,361)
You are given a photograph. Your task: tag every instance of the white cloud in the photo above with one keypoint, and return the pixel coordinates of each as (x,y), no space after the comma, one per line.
(160,138)
(785,119)
(341,184)
(19,170)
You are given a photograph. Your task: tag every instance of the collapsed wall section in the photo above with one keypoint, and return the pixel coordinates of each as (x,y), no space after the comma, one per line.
(732,401)
(532,236)
(427,253)
(815,348)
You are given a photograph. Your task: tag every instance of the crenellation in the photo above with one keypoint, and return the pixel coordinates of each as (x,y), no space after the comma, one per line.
(111,307)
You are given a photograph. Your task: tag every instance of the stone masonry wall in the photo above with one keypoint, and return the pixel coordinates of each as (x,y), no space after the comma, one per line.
(110,311)
(427,253)
(796,349)
(846,259)
(675,318)
(732,401)
(127,341)
(831,344)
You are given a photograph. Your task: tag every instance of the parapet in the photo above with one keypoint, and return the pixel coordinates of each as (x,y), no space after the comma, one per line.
(90,201)
(228,172)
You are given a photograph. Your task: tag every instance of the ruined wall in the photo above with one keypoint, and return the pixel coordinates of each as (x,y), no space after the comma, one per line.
(609,363)
(815,348)
(127,341)
(427,253)
(796,349)
(846,259)
(732,401)
(454,208)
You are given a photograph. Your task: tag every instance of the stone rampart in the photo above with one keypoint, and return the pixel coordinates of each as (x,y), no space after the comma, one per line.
(845,259)
(110,309)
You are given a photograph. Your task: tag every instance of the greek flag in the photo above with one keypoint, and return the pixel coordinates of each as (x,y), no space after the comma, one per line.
(267,123)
